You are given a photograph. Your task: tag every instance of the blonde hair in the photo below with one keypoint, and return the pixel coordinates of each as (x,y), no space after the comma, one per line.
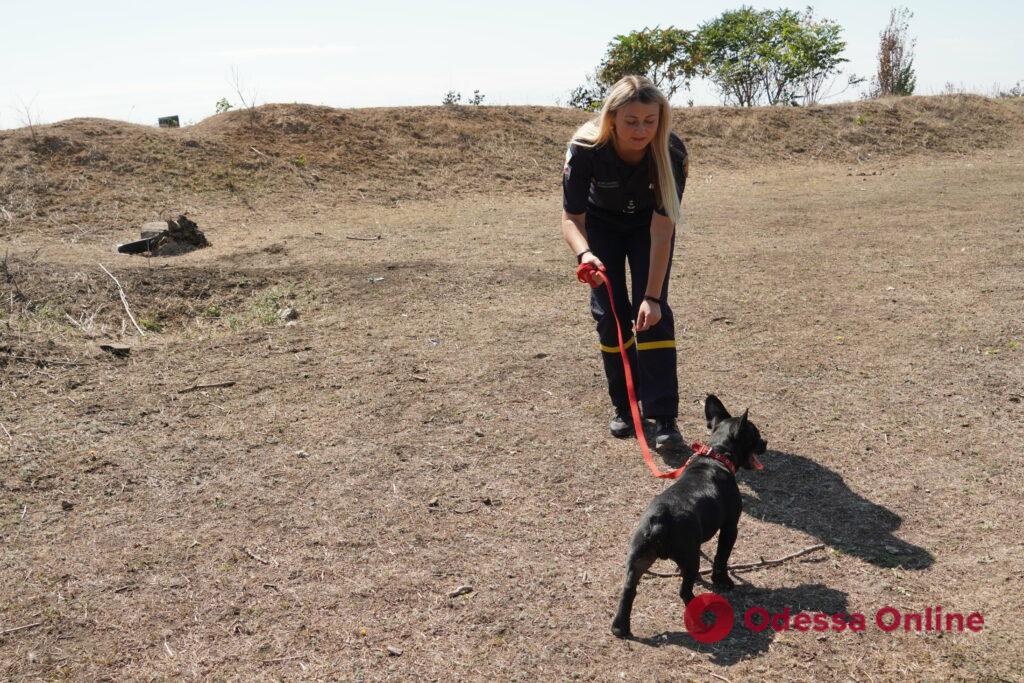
(598,131)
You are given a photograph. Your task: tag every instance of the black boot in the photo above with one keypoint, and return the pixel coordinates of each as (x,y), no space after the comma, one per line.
(666,434)
(621,425)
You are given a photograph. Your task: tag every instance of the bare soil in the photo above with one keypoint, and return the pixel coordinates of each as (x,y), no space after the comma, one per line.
(435,417)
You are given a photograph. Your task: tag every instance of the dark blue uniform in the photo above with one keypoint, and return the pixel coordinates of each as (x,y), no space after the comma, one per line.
(619,200)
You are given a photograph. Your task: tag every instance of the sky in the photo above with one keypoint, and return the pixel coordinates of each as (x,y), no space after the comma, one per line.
(136,61)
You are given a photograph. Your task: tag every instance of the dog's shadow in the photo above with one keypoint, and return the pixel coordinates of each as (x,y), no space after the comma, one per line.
(801,494)
(743,642)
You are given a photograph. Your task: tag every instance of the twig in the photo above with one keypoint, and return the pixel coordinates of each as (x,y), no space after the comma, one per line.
(363,239)
(294,656)
(44,361)
(258,152)
(20,628)
(721,678)
(753,565)
(6,432)
(255,556)
(124,300)
(197,387)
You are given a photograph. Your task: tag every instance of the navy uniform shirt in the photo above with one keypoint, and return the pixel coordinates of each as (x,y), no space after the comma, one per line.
(597,182)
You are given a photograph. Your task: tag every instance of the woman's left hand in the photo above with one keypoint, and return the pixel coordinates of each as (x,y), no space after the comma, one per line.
(649,315)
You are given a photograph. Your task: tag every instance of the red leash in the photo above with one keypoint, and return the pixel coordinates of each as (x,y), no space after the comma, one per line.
(584,274)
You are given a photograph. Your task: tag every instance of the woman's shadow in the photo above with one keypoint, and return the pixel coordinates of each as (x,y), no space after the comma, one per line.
(801,494)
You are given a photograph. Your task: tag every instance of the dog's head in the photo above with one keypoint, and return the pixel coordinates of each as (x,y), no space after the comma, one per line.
(736,435)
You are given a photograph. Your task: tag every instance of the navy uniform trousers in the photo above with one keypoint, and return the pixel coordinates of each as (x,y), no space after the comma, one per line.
(652,353)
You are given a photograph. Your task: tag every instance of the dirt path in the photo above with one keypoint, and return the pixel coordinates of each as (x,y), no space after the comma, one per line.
(444,427)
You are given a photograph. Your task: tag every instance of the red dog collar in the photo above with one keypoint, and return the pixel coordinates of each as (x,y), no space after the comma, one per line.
(708,452)
(705,450)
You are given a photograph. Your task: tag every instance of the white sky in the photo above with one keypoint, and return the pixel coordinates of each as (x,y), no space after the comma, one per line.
(135,61)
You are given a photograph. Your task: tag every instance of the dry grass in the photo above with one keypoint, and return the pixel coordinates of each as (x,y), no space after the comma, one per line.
(444,427)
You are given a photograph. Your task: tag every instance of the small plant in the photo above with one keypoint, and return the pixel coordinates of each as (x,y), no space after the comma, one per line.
(451,98)
(300,161)
(151,324)
(1016,91)
(223,105)
(477,98)
(861,119)
(895,71)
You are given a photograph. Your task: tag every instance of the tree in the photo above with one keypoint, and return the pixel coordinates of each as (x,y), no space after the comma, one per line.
(589,96)
(819,47)
(895,74)
(662,55)
(774,56)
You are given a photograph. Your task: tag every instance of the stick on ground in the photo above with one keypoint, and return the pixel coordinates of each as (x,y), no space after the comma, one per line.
(124,300)
(197,387)
(753,565)
(20,628)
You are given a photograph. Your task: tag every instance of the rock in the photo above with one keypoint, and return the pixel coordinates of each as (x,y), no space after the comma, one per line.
(114,349)
(394,651)
(183,229)
(66,505)
(288,313)
(461,590)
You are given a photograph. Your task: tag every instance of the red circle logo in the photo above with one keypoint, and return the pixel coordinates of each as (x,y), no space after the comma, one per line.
(718,606)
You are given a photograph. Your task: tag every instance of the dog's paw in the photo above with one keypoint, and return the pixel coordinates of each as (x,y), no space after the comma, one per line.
(621,630)
(722,582)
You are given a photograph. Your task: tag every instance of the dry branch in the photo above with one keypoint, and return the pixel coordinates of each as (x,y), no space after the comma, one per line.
(752,565)
(255,556)
(20,628)
(197,387)
(124,300)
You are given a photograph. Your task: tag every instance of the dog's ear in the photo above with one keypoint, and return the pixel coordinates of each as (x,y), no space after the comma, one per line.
(743,420)
(714,411)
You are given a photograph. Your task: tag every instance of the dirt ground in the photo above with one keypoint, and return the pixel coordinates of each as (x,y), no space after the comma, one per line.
(436,419)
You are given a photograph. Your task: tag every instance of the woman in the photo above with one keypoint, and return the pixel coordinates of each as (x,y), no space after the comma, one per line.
(623,179)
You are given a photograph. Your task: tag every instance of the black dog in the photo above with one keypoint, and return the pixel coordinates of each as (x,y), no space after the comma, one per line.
(704,499)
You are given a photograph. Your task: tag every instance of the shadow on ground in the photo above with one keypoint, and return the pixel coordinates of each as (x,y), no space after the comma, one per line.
(743,642)
(801,494)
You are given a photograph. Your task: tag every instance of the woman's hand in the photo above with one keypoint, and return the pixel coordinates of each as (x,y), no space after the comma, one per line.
(649,315)
(590,258)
